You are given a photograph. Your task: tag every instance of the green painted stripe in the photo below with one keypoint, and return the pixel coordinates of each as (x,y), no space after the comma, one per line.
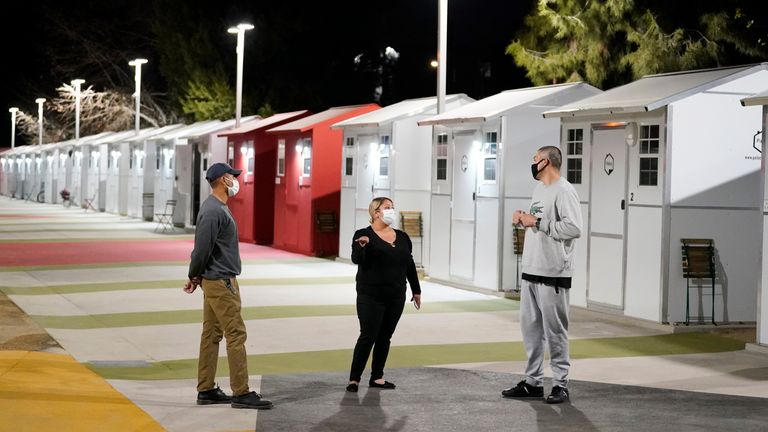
(133,319)
(424,355)
(6,269)
(164,284)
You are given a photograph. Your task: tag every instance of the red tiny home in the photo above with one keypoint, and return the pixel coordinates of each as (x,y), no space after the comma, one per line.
(251,149)
(308,181)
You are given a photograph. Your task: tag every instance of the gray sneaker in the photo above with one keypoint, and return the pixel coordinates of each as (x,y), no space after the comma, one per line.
(250,400)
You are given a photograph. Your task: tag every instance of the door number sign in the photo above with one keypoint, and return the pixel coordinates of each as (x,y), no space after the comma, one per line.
(608,164)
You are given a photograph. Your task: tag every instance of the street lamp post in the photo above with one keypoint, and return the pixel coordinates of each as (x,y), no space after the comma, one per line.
(239,30)
(137,94)
(442,55)
(13,111)
(76,84)
(40,102)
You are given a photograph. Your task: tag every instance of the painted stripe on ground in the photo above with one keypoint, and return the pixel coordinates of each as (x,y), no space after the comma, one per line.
(251,313)
(46,392)
(127,251)
(164,284)
(259,261)
(423,355)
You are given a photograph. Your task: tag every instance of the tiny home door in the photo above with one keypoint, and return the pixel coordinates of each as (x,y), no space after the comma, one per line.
(367,152)
(464,190)
(607,210)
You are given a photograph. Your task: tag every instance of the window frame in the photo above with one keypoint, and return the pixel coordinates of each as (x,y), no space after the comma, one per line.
(574,151)
(649,150)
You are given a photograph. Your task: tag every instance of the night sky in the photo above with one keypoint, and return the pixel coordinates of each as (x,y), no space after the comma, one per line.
(299,57)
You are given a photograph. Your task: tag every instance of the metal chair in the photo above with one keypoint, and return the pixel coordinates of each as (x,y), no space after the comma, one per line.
(518,237)
(698,263)
(165,219)
(88,203)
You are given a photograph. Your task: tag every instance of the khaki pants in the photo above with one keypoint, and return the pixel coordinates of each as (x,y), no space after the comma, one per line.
(221,317)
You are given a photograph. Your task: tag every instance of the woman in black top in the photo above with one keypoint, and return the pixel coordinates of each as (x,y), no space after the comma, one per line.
(384,262)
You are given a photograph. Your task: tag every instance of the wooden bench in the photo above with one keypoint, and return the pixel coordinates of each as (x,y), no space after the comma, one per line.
(326,222)
(698,263)
(411,223)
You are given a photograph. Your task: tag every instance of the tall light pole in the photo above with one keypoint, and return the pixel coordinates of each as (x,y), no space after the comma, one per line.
(76,83)
(442,55)
(13,111)
(137,95)
(40,102)
(240,32)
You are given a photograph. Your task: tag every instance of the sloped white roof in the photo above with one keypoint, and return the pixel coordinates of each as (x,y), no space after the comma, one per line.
(406,108)
(306,123)
(175,133)
(654,91)
(217,127)
(263,123)
(758,99)
(145,134)
(496,105)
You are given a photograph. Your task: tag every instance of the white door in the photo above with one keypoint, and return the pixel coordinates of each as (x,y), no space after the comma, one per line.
(462,256)
(607,234)
(367,151)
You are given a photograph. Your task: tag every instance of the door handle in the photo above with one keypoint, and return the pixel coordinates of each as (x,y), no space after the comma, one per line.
(474,196)
(623,204)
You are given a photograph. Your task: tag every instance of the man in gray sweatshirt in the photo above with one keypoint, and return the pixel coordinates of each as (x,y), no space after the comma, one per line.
(552,226)
(215,264)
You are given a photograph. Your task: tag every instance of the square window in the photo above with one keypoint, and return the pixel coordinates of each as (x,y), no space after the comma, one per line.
(307,166)
(575,148)
(350,141)
(348,164)
(442,169)
(489,171)
(442,138)
(384,166)
(649,171)
(573,171)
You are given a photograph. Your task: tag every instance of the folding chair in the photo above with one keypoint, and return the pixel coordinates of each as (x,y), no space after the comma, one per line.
(88,203)
(165,219)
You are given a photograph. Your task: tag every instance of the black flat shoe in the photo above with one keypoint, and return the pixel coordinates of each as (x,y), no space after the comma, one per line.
(387,385)
(352,388)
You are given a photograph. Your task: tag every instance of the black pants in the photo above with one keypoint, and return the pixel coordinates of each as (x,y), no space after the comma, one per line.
(378,319)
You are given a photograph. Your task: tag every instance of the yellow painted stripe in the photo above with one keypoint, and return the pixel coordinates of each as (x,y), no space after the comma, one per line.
(53,392)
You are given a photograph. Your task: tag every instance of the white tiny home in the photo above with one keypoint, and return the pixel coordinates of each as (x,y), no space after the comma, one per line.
(759,141)
(386,154)
(483,151)
(119,164)
(143,168)
(665,158)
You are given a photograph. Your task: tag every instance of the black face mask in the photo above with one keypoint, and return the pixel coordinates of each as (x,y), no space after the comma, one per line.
(535,171)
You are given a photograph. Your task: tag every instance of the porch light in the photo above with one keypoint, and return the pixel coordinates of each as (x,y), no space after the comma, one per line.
(299,148)
(244,150)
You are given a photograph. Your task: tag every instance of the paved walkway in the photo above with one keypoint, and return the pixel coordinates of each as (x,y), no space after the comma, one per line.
(108,289)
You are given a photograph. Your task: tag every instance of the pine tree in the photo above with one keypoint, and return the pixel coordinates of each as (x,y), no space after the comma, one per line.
(611,42)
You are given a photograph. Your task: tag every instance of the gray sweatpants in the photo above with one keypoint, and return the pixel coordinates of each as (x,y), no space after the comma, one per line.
(544,318)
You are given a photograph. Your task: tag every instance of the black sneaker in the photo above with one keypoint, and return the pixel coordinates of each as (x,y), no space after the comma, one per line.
(558,395)
(251,400)
(523,390)
(213,396)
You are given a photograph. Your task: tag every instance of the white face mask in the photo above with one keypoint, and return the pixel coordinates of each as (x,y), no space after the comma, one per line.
(232,190)
(388,216)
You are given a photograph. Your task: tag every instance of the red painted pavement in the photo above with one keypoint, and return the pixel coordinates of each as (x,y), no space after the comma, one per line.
(106,252)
